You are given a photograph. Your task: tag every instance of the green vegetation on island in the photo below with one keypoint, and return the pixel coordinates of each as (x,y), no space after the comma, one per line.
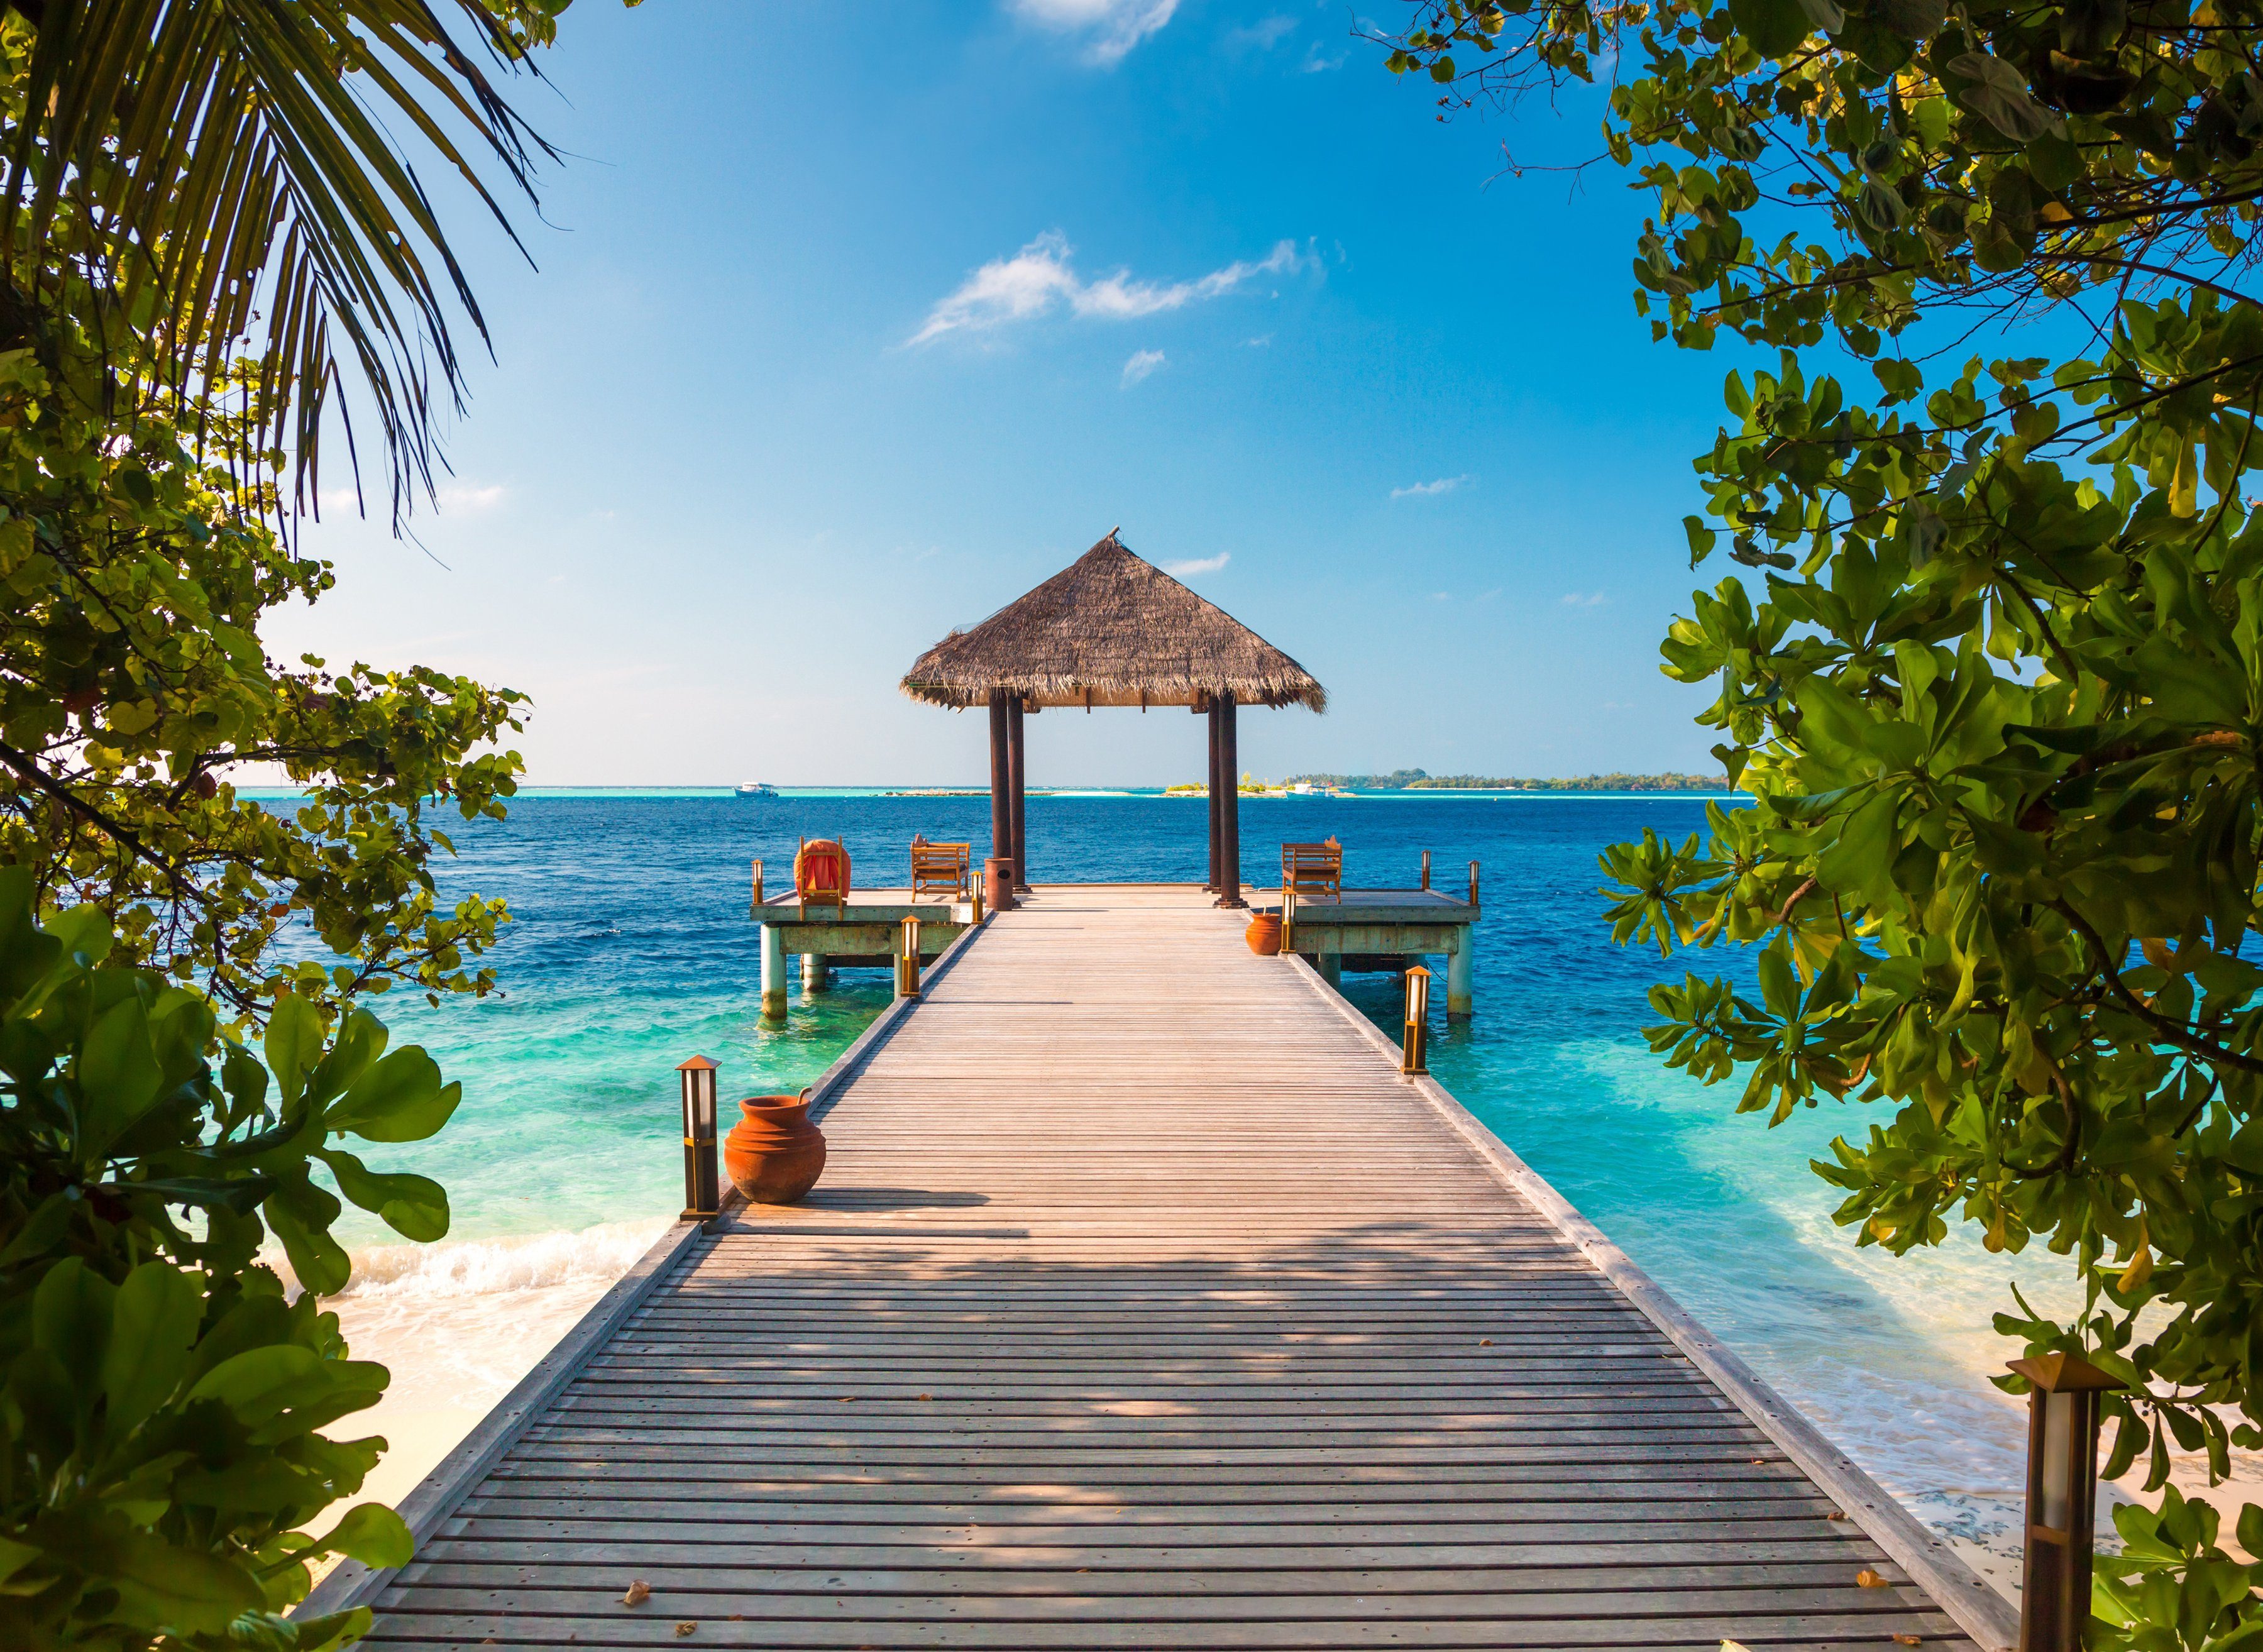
(1417,781)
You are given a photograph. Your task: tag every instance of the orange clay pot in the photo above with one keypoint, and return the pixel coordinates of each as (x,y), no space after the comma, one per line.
(1264,934)
(774,1154)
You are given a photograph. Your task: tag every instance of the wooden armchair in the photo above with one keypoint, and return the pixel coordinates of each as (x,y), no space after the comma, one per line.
(821,874)
(1312,871)
(939,867)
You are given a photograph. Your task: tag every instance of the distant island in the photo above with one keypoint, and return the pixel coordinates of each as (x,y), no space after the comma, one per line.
(1418,780)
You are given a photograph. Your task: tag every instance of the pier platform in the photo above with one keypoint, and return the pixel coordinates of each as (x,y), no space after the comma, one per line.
(1146,1304)
(1383,929)
(865,932)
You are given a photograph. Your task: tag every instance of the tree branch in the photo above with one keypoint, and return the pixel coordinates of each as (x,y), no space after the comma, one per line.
(2172,1031)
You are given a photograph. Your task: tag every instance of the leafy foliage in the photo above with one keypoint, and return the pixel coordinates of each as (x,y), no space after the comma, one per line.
(2171,1589)
(1994,674)
(180,168)
(221,171)
(131,680)
(162,1396)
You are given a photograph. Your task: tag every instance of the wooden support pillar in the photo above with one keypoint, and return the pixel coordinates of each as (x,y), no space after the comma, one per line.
(1229,820)
(773,974)
(1214,794)
(1460,969)
(1017,763)
(1001,802)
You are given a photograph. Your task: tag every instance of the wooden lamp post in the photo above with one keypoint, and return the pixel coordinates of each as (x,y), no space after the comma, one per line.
(1414,1043)
(907,960)
(2062,1499)
(701,1187)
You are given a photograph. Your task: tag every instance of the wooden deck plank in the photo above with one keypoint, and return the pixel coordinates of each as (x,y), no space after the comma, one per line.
(1146,1305)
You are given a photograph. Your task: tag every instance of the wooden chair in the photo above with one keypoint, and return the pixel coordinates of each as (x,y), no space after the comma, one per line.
(820,875)
(939,867)
(1312,871)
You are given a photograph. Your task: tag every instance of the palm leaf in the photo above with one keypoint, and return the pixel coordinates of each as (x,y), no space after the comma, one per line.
(220,175)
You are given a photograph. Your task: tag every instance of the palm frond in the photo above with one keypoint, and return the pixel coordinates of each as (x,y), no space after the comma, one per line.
(221,174)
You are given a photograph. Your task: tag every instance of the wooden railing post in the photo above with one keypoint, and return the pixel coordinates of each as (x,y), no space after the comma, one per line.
(755,909)
(1425,868)
(1473,883)
(1413,1042)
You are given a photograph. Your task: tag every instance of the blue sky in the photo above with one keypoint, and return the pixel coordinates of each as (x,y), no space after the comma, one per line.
(844,335)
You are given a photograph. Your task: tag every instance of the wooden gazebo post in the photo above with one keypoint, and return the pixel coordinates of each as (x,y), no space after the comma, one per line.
(1229,828)
(1213,802)
(1001,803)
(1019,764)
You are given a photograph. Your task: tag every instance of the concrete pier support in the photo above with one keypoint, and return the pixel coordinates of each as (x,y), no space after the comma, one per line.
(1458,972)
(815,977)
(773,974)
(1331,967)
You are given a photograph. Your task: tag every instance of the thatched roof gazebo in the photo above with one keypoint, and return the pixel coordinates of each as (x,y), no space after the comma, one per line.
(1112,629)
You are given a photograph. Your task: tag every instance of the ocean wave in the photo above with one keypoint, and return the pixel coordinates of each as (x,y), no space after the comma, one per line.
(490,1267)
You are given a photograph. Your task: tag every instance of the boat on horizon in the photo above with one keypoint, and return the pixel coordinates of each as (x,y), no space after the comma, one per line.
(758,788)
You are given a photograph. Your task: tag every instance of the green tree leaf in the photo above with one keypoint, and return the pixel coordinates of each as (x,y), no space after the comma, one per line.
(401,1098)
(374,1535)
(153,1326)
(413,1206)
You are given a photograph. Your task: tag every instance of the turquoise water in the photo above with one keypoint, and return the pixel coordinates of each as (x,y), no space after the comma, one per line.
(632,950)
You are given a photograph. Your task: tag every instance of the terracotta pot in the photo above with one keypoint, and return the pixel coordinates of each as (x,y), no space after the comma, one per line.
(1264,934)
(774,1154)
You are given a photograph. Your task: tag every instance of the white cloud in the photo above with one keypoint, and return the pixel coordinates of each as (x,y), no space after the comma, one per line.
(1425,489)
(1261,36)
(1040,278)
(457,496)
(1319,62)
(1201,565)
(1258,343)
(453,496)
(1111,28)
(1585,599)
(1143,362)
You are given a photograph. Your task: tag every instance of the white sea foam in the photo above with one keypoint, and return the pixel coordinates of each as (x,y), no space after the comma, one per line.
(460,1321)
(485,1267)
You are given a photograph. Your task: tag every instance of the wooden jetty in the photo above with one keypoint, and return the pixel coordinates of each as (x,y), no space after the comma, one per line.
(865,932)
(1363,930)
(1146,1304)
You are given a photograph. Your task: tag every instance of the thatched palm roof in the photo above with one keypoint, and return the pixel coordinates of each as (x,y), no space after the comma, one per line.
(1111,629)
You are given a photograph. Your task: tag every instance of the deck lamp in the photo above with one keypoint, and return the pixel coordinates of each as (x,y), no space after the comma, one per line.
(908,966)
(1414,1042)
(2062,1499)
(702,1189)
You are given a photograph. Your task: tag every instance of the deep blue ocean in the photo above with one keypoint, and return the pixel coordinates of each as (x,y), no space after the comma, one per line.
(631,949)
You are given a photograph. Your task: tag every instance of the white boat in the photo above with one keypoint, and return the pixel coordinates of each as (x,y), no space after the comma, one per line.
(758,788)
